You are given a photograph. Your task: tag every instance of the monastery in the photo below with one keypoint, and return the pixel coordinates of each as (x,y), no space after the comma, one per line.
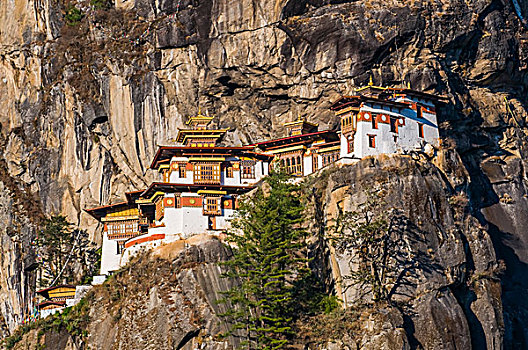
(200,181)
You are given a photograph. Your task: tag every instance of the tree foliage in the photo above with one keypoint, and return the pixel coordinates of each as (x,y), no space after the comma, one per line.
(65,253)
(73,16)
(369,235)
(269,261)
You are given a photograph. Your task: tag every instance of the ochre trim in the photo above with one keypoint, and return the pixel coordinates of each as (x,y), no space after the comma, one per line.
(287,149)
(324,150)
(149,200)
(211,192)
(204,159)
(119,218)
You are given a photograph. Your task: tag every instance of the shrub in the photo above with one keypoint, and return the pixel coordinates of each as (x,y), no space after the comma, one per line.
(101,4)
(73,16)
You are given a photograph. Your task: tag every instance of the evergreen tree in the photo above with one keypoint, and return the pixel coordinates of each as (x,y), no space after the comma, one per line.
(65,253)
(268,239)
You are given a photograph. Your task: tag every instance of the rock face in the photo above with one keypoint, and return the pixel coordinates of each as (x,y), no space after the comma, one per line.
(175,308)
(85,103)
(449,289)
(448,298)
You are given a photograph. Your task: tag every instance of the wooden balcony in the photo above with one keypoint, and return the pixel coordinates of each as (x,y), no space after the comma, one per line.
(121,236)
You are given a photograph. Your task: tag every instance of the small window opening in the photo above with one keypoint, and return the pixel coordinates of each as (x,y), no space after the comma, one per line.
(420,130)
(372,141)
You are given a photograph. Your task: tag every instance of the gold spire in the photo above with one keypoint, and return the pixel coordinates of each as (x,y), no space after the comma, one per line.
(408,85)
(370,81)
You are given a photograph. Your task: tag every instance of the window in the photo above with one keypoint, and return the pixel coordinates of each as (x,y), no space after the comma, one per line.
(202,143)
(207,173)
(182,173)
(329,157)
(394,125)
(347,123)
(229,170)
(160,212)
(166,176)
(120,247)
(122,229)
(395,138)
(419,111)
(178,201)
(350,142)
(247,169)
(212,206)
(374,121)
(420,130)
(372,141)
(315,162)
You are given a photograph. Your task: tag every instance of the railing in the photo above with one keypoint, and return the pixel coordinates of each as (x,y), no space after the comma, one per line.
(123,235)
(347,128)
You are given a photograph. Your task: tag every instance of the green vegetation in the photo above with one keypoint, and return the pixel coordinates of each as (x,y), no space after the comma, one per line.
(73,320)
(269,261)
(101,4)
(73,16)
(63,250)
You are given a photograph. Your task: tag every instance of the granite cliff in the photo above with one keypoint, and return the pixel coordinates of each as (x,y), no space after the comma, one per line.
(449,296)
(87,98)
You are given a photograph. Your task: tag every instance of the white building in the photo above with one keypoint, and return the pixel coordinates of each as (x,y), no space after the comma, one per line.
(201,181)
(198,190)
(304,149)
(386,120)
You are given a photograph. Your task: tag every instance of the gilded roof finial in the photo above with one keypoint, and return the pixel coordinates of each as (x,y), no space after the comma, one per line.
(199,110)
(370,81)
(408,85)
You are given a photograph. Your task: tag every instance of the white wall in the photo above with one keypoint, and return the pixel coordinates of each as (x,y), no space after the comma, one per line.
(407,137)
(172,220)
(307,165)
(130,252)
(109,257)
(175,175)
(223,222)
(46,313)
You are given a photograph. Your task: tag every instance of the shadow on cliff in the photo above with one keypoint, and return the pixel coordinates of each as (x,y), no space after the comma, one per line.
(471,144)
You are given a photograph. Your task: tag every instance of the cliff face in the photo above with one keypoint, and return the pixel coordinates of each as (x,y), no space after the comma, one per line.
(448,295)
(85,102)
(448,291)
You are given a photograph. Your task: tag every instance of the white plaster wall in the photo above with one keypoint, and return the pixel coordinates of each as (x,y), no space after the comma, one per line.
(262,171)
(407,136)
(46,313)
(231,181)
(173,219)
(130,252)
(223,222)
(109,257)
(307,165)
(193,221)
(176,179)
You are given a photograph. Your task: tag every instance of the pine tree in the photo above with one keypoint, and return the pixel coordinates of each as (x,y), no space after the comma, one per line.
(267,237)
(65,253)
